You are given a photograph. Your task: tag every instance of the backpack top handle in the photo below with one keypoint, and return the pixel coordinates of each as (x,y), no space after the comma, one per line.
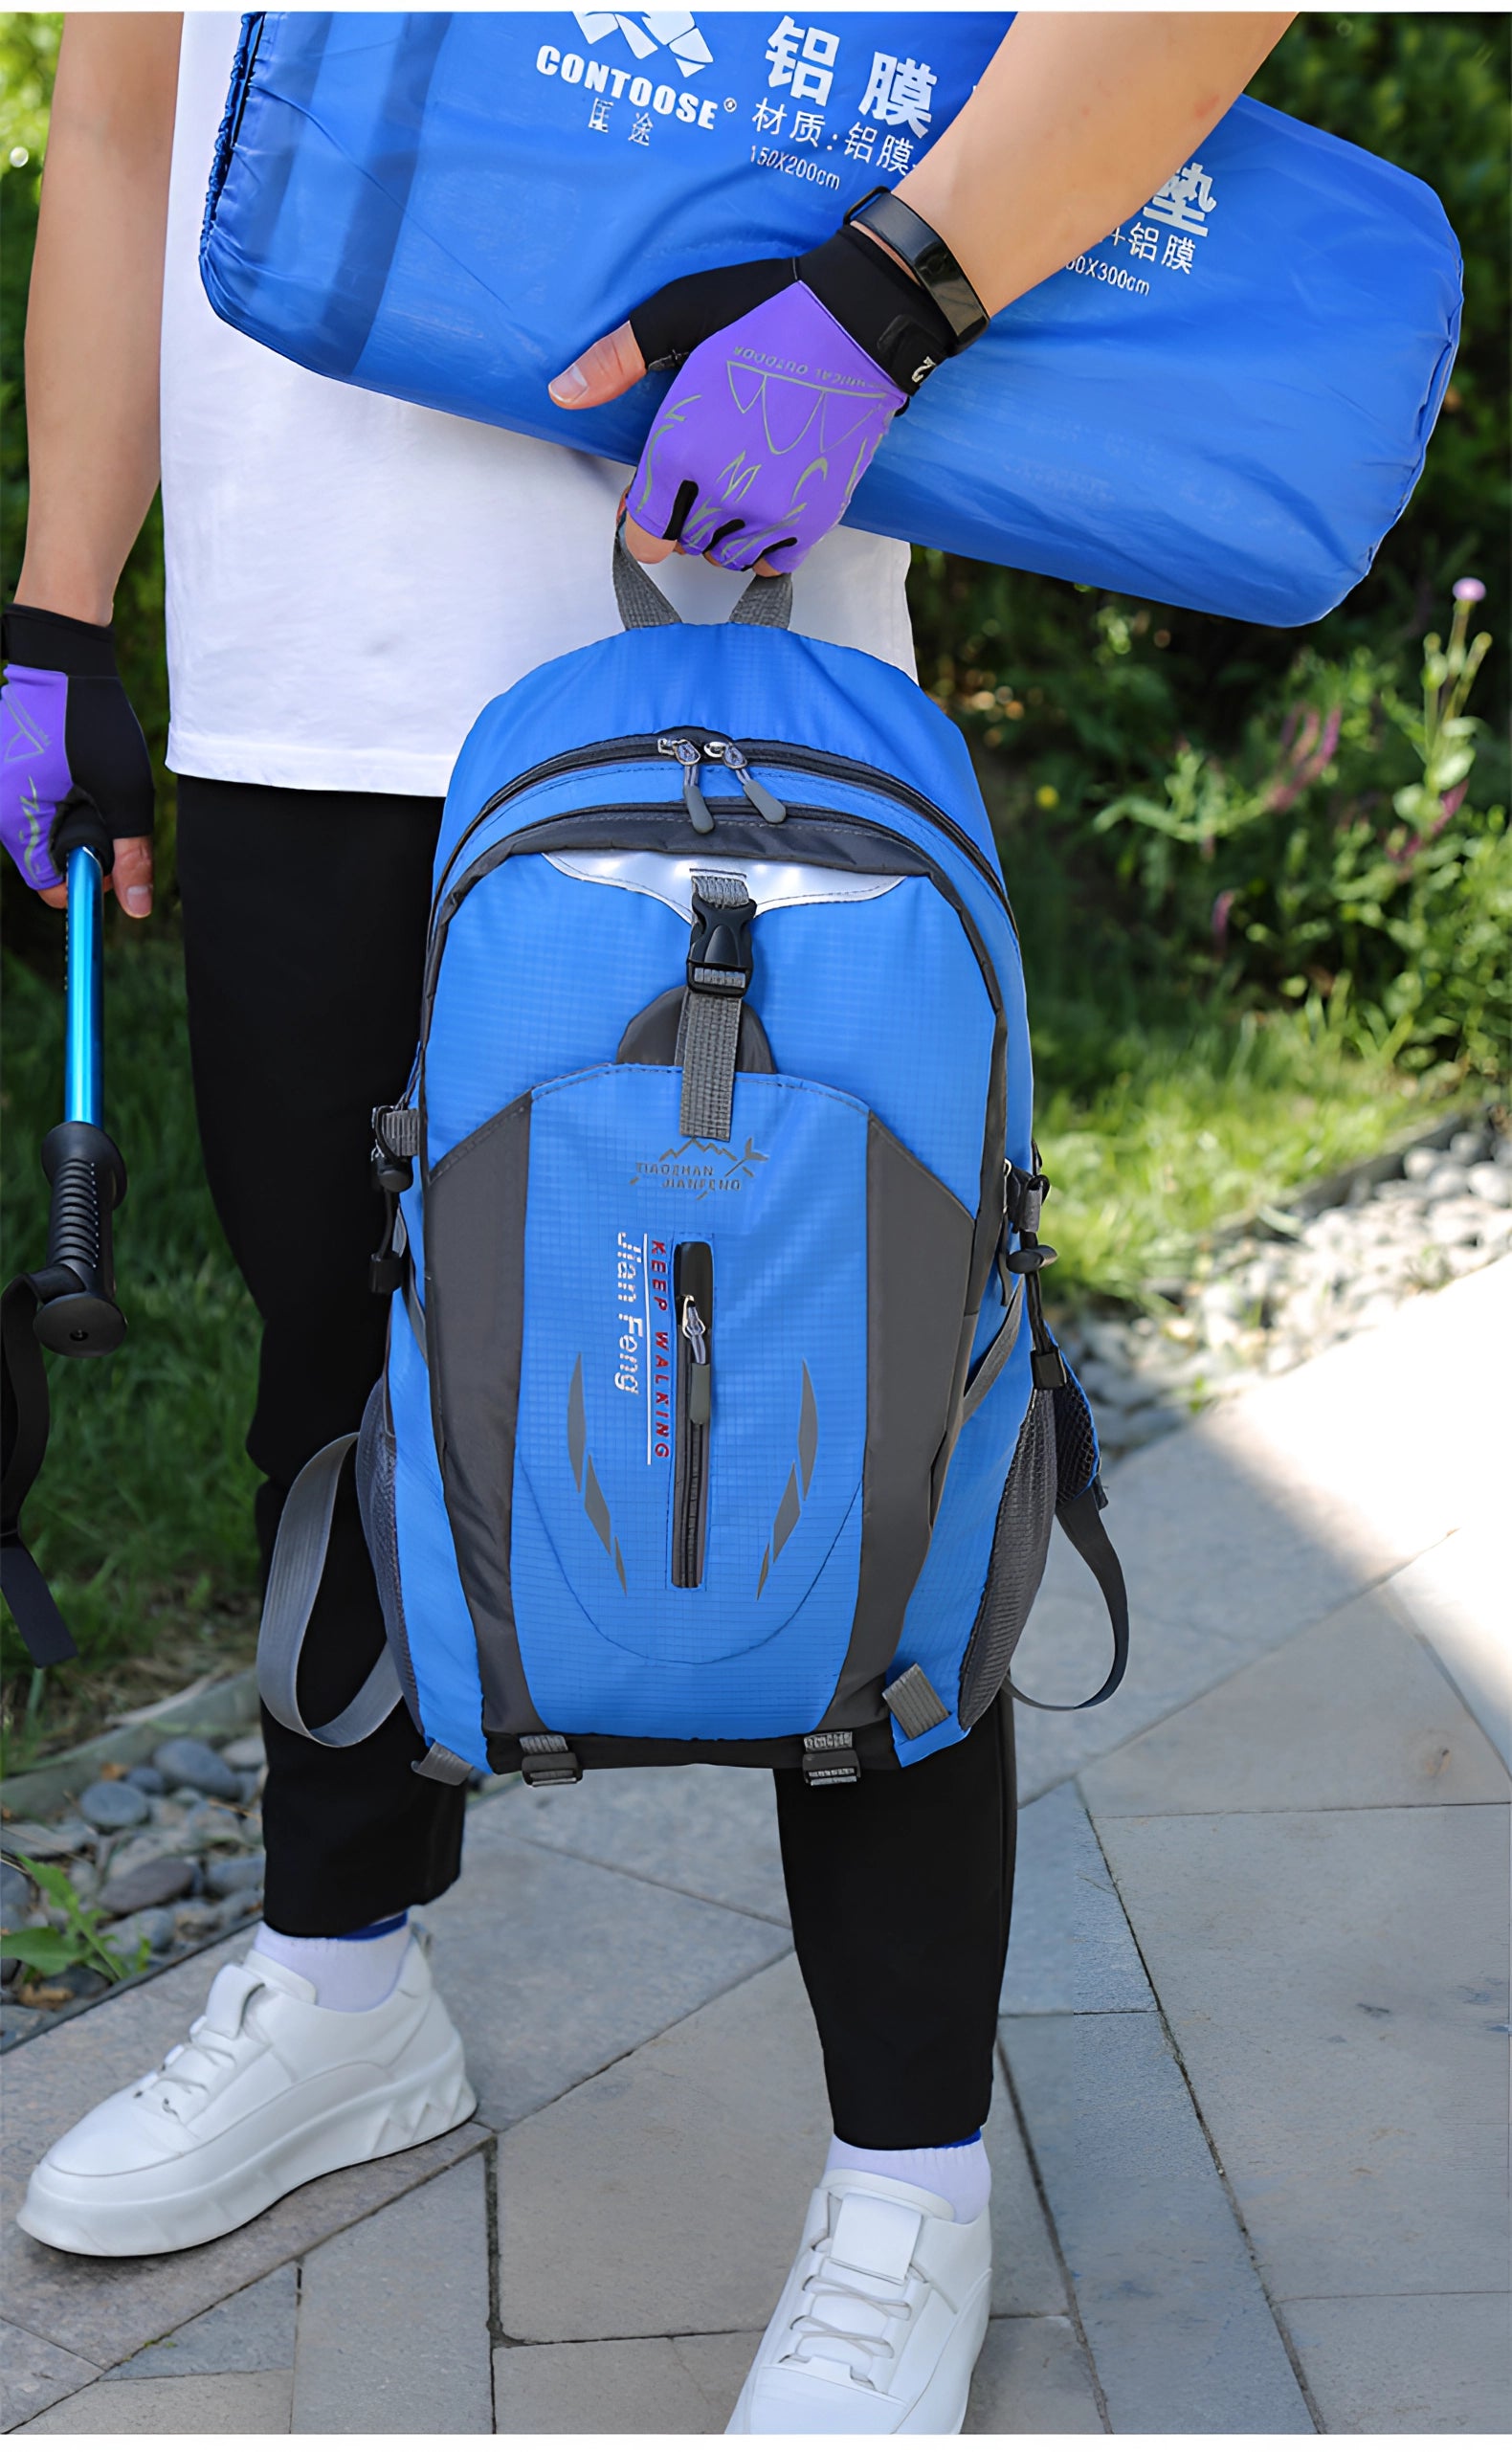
(765,603)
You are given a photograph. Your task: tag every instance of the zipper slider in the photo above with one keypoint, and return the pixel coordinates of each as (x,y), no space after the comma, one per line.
(699,1390)
(765,803)
(690,757)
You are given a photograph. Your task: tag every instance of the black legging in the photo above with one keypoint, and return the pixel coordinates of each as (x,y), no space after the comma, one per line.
(304,917)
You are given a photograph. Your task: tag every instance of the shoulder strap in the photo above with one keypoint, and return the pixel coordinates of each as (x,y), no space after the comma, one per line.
(25,1420)
(1081,1520)
(293,1579)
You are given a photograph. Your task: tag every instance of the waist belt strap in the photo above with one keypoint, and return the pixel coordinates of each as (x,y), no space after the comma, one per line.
(293,1579)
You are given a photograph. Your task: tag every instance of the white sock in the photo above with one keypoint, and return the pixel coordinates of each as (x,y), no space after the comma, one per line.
(959,2174)
(349,1971)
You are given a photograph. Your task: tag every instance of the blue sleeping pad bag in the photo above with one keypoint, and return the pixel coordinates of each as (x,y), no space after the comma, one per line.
(1224,403)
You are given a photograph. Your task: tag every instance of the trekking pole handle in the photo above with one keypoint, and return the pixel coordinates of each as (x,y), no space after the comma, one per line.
(78,1312)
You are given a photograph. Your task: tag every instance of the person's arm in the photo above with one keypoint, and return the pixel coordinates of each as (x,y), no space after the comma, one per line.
(94,327)
(1075,123)
(1077,120)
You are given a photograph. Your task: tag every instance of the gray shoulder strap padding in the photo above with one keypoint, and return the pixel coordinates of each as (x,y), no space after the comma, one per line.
(986,1375)
(765,603)
(293,1579)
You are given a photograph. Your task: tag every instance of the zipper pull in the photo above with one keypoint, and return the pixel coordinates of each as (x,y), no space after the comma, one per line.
(700,1375)
(690,757)
(765,803)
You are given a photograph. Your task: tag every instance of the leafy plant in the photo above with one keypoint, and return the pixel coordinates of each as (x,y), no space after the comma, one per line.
(51,1949)
(1339,854)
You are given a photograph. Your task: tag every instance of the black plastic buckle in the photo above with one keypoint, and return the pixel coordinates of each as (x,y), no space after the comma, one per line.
(829,1759)
(719,960)
(548,1762)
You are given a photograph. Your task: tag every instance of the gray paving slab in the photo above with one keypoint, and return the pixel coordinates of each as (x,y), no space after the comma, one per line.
(1456,1598)
(1177,2324)
(1427,2365)
(1070,1946)
(393,2335)
(1270,1514)
(1027,2279)
(174,2406)
(1352,1711)
(651,2387)
(34,2374)
(1031,2380)
(1337,1986)
(250,2332)
(651,2160)
(104,2309)
(553,1968)
(708,1829)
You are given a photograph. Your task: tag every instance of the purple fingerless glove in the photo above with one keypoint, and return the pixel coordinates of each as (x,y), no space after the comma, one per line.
(66,729)
(764,436)
(789,374)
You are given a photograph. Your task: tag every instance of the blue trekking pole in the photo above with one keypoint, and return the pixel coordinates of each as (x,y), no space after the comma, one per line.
(68,1305)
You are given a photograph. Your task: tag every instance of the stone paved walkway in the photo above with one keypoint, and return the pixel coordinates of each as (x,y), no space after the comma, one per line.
(1250,2144)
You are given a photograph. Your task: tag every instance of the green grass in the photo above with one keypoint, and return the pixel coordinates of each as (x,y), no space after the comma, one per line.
(1195,1127)
(141,1517)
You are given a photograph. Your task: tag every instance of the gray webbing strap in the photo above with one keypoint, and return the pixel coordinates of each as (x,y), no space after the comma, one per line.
(765,603)
(708,1039)
(986,1375)
(293,1579)
(642,606)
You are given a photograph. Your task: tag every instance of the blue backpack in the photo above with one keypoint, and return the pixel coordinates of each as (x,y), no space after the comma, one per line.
(721,1419)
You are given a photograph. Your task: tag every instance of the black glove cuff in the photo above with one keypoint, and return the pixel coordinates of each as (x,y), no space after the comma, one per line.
(887,215)
(883,309)
(55,642)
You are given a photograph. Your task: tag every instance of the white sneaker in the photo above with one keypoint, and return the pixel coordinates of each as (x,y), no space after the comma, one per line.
(880,2320)
(270,2090)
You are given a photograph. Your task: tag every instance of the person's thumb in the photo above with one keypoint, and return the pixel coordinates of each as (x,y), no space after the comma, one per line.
(601,373)
(132,874)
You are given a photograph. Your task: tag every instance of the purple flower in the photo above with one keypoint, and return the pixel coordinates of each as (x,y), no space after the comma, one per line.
(1469,591)
(1223,904)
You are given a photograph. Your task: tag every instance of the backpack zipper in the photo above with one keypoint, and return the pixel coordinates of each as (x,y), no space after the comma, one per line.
(714,745)
(518,846)
(692,1292)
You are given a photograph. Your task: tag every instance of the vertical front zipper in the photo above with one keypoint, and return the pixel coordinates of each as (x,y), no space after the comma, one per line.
(692,1292)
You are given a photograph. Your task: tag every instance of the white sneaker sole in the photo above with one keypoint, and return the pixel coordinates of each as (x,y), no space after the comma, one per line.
(941,2407)
(76,2213)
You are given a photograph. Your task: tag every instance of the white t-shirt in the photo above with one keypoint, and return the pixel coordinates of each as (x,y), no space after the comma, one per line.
(350,579)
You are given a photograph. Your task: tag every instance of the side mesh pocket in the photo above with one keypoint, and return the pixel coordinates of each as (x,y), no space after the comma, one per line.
(375,1500)
(1020,1541)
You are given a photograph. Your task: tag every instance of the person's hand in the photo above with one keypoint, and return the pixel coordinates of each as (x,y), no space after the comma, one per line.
(789,374)
(67,730)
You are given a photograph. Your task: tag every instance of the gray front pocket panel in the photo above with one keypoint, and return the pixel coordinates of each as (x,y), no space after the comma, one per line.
(474,1253)
(1020,1544)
